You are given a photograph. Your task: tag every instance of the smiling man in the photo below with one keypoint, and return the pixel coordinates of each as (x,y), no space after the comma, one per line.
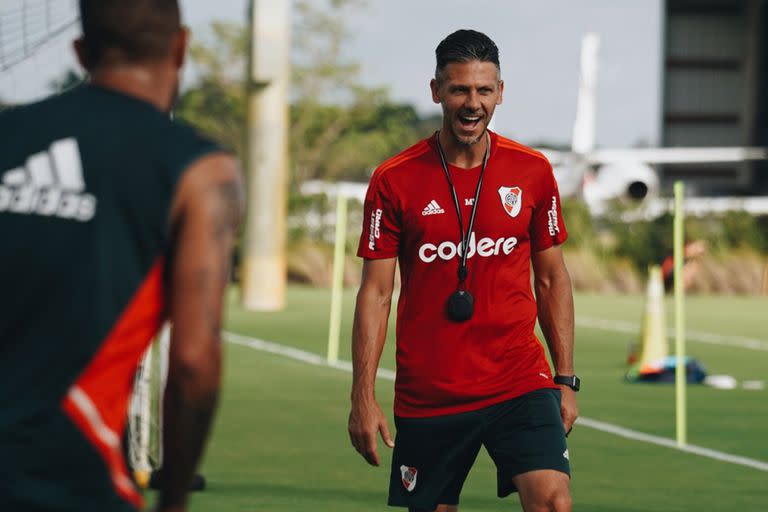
(466,213)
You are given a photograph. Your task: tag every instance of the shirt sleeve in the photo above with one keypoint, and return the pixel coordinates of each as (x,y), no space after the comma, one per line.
(187,147)
(547,226)
(380,237)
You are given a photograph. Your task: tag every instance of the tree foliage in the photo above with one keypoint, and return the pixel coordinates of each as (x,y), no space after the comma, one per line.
(339,128)
(68,80)
(216,104)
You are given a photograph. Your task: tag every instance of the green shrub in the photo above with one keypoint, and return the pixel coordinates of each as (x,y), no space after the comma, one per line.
(642,242)
(578,221)
(740,229)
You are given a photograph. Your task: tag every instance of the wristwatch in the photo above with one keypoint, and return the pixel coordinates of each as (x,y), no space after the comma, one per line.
(571,381)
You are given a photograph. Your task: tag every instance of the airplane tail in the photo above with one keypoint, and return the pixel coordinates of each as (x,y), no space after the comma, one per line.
(584,128)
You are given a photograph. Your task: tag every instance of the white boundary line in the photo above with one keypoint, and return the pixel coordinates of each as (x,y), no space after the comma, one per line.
(317,360)
(671,443)
(702,337)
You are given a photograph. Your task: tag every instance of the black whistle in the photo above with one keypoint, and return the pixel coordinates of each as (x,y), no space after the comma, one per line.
(460,306)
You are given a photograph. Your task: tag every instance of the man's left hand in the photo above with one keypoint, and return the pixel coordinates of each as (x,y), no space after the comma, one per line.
(569,411)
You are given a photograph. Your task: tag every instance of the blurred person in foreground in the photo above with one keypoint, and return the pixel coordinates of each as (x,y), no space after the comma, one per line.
(466,212)
(114,219)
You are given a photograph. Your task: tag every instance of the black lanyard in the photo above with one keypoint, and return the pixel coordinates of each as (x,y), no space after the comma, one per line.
(463,271)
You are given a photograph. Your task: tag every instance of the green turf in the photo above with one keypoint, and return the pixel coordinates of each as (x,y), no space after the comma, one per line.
(280,441)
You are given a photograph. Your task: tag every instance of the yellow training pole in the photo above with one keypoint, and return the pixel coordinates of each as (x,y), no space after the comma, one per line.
(680,374)
(337,286)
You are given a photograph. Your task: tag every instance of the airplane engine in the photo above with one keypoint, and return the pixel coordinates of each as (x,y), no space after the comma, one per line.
(632,183)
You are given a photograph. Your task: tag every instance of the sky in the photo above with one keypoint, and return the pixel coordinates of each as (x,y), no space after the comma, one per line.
(539,43)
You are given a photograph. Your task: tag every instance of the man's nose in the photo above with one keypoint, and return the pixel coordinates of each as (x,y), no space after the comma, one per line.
(473,101)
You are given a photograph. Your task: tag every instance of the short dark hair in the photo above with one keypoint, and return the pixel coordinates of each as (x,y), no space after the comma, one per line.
(464,46)
(128,30)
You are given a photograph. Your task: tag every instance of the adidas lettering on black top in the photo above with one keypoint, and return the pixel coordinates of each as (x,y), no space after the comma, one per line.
(86,183)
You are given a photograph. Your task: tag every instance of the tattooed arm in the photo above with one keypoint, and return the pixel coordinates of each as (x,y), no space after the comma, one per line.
(204,218)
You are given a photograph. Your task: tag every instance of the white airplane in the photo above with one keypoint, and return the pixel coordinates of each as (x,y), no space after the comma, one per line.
(602,176)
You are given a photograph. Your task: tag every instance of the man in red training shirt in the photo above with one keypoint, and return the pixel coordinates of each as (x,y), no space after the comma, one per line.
(466,212)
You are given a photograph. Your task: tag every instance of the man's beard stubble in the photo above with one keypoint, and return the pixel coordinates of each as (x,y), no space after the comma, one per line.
(469,142)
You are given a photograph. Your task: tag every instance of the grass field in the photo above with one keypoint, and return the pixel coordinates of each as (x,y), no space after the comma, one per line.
(280,441)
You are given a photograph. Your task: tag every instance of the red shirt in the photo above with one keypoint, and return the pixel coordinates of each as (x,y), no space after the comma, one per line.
(446,367)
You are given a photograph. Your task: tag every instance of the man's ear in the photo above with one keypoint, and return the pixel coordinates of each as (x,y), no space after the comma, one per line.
(501,92)
(180,47)
(434,86)
(81,51)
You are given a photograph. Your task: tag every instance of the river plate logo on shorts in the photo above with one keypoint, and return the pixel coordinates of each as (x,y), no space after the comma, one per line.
(511,200)
(409,477)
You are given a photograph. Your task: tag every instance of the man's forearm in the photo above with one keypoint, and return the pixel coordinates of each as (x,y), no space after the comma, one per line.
(204,220)
(368,337)
(555,305)
(188,414)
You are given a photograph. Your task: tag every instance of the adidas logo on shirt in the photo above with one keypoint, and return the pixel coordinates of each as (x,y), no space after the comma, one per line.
(432,209)
(50,184)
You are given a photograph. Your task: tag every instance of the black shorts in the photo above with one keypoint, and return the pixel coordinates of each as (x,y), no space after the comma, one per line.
(433,456)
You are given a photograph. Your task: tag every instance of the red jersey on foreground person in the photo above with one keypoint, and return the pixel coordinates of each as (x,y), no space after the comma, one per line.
(470,371)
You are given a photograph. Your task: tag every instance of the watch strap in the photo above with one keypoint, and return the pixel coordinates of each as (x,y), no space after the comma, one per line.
(571,381)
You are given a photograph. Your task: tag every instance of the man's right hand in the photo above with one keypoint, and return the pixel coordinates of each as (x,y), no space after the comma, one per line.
(368,334)
(366,420)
